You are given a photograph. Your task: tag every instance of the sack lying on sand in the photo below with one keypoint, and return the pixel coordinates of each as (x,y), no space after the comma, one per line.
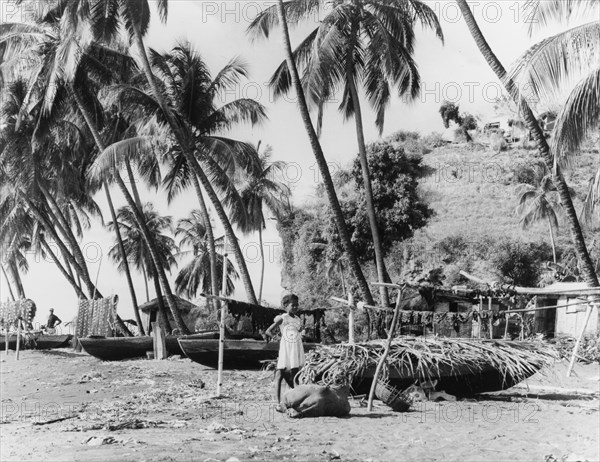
(317,401)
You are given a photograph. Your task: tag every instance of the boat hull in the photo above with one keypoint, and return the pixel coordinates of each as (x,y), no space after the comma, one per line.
(237,354)
(37,342)
(119,348)
(459,383)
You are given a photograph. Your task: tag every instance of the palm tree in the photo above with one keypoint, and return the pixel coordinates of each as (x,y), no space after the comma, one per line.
(536,203)
(568,61)
(137,250)
(361,41)
(196,275)
(194,93)
(277,15)
(45,179)
(104,18)
(43,43)
(577,237)
(261,189)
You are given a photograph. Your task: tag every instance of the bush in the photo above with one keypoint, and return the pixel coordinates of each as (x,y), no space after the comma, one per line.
(589,349)
(498,143)
(434,140)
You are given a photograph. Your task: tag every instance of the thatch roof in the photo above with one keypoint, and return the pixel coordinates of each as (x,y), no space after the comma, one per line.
(183,305)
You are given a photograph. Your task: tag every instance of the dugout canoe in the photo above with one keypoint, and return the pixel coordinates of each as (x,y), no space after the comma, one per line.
(119,348)
(36,341)
(459,381)
(238,354)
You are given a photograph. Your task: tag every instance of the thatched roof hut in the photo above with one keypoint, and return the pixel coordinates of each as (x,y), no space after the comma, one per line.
(190,313)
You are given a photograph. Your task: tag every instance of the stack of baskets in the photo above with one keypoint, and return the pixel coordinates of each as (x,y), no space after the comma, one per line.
(397,399)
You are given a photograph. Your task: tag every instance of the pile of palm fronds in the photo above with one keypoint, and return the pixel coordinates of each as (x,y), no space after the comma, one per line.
(589,348)
(426,358)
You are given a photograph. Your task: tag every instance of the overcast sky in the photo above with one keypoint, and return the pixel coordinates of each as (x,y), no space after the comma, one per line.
(455,71)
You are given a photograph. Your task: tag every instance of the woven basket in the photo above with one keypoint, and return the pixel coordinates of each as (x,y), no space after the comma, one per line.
(394,398)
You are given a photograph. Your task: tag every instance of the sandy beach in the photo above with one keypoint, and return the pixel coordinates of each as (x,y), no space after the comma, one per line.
(60,405)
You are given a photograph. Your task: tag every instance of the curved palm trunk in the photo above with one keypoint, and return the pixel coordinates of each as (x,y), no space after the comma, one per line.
(14,271)
(245,275)
(113,216)
(552,240)
(210,237)
(91,288)
(61,223)
(12,295)
(321,161)
(139,218)
(145,276)
(583,255)
(69,277)
(262,264)
(364,165)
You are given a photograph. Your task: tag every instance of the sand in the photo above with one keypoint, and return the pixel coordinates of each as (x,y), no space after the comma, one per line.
(148,410)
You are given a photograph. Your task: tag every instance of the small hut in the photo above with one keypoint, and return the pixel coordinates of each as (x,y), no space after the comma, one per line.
(190,313)
(568,319)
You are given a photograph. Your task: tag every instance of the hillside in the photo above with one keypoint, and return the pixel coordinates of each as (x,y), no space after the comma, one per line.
(472,190)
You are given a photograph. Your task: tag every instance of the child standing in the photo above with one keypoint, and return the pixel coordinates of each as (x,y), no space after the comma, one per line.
(291,350)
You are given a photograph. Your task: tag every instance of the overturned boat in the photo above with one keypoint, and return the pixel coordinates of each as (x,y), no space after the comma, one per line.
(238,353)
(119,348)
(36,341)
(460,366)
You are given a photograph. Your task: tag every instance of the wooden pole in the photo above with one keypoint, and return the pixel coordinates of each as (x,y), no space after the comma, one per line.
(223,304)
(480,320)
(6,340)
(18,336)
(588,314)
(351,319)
(158,341)
(385,351)
(533,290)
(490,320)
(505,326)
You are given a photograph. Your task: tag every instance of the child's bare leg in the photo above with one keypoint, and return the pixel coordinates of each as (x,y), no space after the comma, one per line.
(278,379)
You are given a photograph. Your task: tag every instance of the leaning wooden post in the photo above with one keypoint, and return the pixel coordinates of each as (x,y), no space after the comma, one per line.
(222,323)
(385,351)
(588,314)
(490,320)
(18,335)
(351,319)
(159,341)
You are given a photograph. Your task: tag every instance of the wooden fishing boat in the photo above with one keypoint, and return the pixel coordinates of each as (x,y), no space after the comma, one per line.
(458,381)
(238,353)
(118,348)
(460,366)
(36,341)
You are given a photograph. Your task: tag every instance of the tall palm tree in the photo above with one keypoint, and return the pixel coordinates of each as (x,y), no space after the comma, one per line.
(536,203)
(196,275)
(104,18)
(261,188)
(368,42)
(277,15)
(43,43)
(587,266)
(194,94)
(137,249)
(44,179)
(567,62)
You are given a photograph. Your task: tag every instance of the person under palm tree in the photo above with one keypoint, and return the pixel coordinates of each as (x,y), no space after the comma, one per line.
(291,350)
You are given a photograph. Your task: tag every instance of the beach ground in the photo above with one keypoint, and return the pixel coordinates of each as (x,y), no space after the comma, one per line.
(62,405)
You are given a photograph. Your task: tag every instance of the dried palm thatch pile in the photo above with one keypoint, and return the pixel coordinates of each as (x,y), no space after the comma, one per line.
(427,359)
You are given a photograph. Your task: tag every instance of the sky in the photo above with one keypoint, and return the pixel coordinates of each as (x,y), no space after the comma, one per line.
(453,71)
